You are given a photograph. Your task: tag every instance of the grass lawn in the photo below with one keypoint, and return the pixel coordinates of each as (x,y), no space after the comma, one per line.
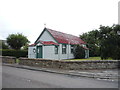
(90,58)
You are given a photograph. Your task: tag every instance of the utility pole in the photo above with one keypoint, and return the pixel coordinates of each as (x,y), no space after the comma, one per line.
(118,32)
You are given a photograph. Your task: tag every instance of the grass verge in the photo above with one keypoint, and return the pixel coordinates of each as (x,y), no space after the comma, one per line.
(90,58)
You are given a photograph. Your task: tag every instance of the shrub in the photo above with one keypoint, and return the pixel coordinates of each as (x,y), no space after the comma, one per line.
(15,53)
(79,52)
(16,41)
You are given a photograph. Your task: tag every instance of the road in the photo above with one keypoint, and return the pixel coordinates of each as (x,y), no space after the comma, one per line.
(22,78)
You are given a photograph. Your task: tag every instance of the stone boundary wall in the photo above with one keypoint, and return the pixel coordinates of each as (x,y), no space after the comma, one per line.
(62,64)
(8,59)
(70,65)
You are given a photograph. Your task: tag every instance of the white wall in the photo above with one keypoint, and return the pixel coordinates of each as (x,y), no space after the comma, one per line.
(31,54)
(49,52)
(47,37)
(68,54)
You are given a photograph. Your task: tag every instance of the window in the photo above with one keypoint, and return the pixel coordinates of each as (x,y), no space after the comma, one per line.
(72,48)
(63,49)
(56,49)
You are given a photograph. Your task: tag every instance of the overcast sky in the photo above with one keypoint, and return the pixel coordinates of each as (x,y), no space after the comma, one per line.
(69,16)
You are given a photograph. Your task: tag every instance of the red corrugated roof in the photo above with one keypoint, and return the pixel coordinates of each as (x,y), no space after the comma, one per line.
(48,42)
(45,43)
(65,38)
(32,45)
(61,37)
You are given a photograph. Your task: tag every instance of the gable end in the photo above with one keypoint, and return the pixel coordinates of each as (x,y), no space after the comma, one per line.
(45,29)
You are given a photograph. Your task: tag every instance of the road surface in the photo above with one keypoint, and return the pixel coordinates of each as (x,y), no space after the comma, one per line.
(22,78)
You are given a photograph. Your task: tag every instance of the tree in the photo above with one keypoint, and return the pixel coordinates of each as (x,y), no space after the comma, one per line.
(104,42)
(91,38)
(16,41)
(25,47)
(110,42)
(79,52)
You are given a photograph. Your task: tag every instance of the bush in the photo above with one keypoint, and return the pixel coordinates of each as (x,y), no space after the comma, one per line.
(16,41)
(79,52)
(15,53)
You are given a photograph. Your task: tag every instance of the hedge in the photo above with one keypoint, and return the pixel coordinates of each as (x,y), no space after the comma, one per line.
(15,53)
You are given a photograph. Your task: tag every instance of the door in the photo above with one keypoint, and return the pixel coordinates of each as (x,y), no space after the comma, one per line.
(39,52)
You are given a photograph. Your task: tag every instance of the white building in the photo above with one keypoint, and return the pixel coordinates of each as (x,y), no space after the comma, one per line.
(56,45)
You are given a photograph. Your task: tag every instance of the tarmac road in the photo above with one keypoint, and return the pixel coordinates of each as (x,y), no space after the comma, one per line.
(22,78)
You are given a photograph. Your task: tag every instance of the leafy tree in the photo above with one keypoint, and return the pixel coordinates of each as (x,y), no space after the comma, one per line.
(91,38)
(79,52)
(104,42)
(25,47)
(16,41)
(110,42)
(116,29)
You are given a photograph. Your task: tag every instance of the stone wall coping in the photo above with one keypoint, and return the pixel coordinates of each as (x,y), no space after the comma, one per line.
(69,61)
(7,57)
(37,59)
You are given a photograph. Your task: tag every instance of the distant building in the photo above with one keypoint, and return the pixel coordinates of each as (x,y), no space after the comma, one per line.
(53,44)
(5,42)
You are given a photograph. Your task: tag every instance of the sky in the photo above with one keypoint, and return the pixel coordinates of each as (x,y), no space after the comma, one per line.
(69,16)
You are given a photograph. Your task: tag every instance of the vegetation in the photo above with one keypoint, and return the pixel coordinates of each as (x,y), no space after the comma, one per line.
(90,58)
(16,41)
(79,52)
(104,42)
(110,42)
(92,42)
(17,60)
(15,53)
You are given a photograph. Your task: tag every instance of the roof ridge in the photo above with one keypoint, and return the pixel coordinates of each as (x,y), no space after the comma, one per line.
(62,32)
